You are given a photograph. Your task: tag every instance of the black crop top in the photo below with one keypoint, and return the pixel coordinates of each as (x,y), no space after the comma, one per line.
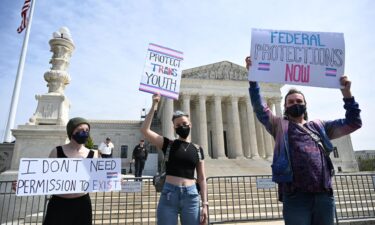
(61,154)
(183,158)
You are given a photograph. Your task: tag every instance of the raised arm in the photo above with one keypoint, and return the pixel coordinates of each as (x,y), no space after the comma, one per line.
(151,136)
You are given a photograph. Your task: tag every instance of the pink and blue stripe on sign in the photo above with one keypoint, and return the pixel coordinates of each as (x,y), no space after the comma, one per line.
(165,51)
(265,66)
(112,175)
(331,72)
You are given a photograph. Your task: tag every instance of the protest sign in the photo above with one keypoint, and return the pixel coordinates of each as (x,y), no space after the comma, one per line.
(297,57)
(46,176)
(162,72)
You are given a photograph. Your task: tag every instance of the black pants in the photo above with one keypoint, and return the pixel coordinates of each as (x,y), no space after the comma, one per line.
(72,211)
(139,166)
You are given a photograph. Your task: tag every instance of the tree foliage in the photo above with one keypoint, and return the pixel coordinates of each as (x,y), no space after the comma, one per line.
(90,143)
(366,164)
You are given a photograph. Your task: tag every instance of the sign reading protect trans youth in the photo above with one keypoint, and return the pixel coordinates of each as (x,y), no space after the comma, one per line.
(162,72)
(297,57)
(46,176)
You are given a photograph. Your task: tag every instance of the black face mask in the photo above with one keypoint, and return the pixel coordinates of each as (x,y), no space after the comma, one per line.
(81,137)
(183,131)
(296,110)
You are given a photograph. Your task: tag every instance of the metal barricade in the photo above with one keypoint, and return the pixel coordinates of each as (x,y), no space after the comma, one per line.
(231,199)
(237,198)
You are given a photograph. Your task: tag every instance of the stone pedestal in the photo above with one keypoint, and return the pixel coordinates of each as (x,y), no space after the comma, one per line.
(36,141)
(52,109)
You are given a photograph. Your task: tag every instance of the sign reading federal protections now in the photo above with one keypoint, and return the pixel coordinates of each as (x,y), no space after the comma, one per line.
(297,57)
(46,176)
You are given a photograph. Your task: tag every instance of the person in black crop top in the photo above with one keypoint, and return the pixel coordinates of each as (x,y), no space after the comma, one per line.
(179,194)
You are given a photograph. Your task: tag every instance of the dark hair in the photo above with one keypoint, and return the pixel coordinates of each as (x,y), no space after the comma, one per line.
(178,114)
(108,139)
(294,91)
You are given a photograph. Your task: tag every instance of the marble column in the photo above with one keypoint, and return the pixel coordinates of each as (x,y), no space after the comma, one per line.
(203,140)
(267,144)
(168,130)
(252,130)
(268,138)
(260,139)
(186,103)
(277,102)
(217,132)
(235,123)
(245,129)
(186,109)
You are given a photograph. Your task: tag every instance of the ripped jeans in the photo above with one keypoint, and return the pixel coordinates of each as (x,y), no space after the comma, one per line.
(174,200)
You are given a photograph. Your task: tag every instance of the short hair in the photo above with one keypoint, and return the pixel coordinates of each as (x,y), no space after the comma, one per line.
(73,123)
(178,114)
(295,91)
(108,139)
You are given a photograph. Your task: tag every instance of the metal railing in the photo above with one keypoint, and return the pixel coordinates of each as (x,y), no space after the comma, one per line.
(231,199)
(237,198)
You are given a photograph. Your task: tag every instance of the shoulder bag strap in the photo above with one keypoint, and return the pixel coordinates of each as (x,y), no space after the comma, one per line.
(316,138)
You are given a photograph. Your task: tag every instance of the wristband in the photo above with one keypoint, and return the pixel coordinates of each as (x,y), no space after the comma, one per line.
(205,203)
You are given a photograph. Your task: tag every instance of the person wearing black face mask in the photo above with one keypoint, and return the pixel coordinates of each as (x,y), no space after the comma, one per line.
(184,158)
(301,165)
(72,208)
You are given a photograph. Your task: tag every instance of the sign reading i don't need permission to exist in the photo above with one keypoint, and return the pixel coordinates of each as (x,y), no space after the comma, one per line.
(297,57)
(162,72)
(46,176)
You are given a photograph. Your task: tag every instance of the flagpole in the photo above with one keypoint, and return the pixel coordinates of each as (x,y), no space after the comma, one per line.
(17,84)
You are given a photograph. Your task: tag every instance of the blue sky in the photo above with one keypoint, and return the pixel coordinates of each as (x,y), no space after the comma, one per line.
(111,39)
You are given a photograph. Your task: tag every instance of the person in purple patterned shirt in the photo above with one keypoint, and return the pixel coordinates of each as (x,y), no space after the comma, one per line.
(301,165)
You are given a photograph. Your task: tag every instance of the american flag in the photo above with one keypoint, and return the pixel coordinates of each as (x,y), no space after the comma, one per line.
(25,8)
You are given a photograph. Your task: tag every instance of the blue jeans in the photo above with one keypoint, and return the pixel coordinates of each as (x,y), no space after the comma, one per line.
(174,200)
(301,208)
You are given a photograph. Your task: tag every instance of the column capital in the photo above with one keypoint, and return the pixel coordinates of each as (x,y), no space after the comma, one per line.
(275,100)
(185,95)
(202,96)
(218,97)
(234,98)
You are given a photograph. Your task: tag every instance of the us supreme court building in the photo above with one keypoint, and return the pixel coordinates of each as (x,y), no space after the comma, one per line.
(216,98)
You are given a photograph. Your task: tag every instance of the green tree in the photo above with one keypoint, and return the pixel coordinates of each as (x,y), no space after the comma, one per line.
(366,164)
(90,143)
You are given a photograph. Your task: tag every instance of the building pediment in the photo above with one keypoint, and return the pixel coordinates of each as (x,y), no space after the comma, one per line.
(217,71)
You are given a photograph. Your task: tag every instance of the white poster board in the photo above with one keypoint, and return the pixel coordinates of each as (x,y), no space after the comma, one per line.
(46,176)
(297,57)
(132,186)
(265,183)
(162,72)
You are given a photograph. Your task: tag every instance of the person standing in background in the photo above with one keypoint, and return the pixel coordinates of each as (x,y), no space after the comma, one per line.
(106,148)
(139,157)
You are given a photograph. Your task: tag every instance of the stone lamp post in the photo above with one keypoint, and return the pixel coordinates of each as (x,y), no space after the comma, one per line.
(53,107)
